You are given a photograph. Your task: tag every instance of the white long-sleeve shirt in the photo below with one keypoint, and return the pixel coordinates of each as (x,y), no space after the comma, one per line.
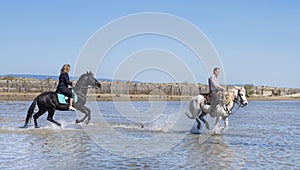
(214,83)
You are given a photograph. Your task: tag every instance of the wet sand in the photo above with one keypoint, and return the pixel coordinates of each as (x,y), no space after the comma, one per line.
(13,96)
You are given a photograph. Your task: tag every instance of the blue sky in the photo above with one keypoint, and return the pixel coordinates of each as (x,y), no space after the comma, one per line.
(257,41)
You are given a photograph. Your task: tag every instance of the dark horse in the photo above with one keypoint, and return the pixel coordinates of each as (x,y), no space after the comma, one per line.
(48,101)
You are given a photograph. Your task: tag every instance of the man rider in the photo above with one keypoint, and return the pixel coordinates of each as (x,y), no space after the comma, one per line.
(215,89)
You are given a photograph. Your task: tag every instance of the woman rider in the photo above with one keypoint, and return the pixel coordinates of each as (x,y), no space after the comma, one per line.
(63,83)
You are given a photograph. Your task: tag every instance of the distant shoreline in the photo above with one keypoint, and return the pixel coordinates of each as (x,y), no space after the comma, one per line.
(17,96)
(16,88)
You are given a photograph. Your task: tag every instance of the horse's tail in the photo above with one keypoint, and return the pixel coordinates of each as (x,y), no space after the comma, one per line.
(195,107)
(30,111)
(194,110)
(189,116)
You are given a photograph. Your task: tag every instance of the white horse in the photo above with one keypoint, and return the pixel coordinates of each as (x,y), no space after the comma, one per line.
(223,110)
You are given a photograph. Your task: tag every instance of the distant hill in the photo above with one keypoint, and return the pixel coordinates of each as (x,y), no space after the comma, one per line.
(39,77)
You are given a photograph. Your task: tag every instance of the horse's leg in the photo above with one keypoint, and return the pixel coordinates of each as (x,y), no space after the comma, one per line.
(88,115)
(217,121)
(87,112)
(198,122)
(226,121)
(82,109)
(37,115)
(50,117)
(197,112)
(201,117)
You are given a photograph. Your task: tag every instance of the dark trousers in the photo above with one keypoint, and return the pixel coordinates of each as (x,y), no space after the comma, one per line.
(65,91)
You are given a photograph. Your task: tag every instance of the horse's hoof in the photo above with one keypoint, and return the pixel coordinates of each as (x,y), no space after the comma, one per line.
(77,121)
(87,122)
(198,127)
(36,126)
(24,127)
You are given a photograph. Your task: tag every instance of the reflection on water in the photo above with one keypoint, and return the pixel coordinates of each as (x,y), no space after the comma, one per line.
(263,135)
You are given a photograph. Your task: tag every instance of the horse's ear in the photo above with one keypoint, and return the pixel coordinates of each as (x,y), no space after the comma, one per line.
(90,73)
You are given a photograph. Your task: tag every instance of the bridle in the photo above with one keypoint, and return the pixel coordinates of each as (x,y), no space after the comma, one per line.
(238,99)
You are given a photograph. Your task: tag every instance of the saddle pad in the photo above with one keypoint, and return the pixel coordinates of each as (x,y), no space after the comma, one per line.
(62,99)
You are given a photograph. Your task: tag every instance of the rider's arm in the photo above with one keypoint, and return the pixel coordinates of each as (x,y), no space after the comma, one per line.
(67,79)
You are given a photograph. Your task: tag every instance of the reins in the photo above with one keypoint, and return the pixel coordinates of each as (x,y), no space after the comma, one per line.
(232,112)
(234,102)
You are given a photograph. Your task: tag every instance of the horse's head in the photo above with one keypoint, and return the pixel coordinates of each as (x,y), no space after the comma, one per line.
(88,79)
(240,95)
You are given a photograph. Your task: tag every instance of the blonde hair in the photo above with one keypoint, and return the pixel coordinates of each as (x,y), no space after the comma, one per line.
(65,68)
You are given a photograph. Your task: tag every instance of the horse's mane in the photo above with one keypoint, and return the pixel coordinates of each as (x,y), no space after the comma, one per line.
(81,79)
(229,96)
(86,74)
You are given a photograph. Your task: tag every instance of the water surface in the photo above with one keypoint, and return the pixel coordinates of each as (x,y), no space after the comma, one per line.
(263,135)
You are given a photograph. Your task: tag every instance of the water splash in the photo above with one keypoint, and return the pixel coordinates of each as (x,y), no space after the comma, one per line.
(162,124)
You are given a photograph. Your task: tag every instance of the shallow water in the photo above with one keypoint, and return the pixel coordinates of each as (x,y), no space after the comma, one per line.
(151,135)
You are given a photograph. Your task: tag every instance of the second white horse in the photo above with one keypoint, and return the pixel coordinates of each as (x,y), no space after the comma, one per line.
(198,107)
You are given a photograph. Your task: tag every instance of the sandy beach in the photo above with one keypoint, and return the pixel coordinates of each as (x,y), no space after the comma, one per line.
(15,96)
(272,98)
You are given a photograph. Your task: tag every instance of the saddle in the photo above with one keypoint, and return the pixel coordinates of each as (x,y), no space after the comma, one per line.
(207,97)
(62,99)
